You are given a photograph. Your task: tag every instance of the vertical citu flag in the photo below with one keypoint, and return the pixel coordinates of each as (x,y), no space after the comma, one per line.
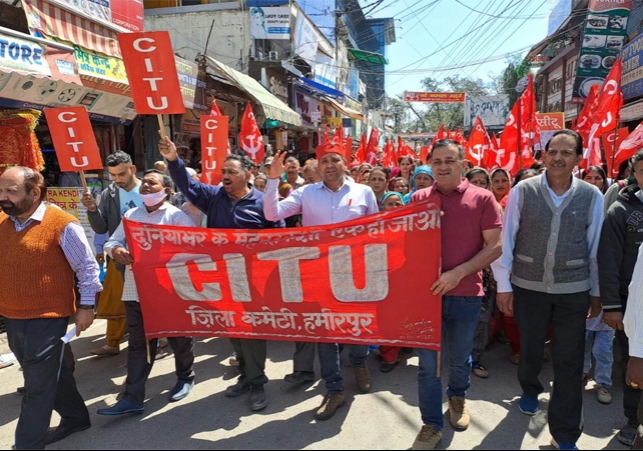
(250,139)
(520,133)
(360,155)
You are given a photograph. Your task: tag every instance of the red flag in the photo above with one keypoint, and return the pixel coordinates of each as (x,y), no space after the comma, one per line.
(424,153)
(388,156)
(215,109)
(250,139)
(449,134)
(439,135)
(582,122)
(372,148)
(360,155)
(520,133)
(606,116)
(613,141)
(626,149)
(459,137)
(479,144)
(492,156)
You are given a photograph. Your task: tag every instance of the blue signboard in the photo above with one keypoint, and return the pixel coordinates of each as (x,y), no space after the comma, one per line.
(559,15)
(252,3)
(632,55)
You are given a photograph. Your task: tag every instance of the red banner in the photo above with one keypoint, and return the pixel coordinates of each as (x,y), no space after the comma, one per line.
(214,147)
(436,97)
(341,283)
(151,72)
(73,138)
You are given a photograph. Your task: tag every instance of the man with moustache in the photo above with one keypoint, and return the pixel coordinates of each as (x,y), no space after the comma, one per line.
(43,247)
(331,201)
(236,204)
(155,190)
(471,239)
(548,275)
(120,196)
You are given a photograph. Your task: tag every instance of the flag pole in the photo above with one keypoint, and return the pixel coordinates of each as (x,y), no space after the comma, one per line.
(618,123)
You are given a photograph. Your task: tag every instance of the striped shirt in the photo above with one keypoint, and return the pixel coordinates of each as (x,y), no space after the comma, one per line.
(77,252)
(167,214)
(634,313)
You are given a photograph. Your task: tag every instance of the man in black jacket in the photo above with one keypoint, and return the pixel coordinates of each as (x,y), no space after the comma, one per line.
(621,238)
(120,196)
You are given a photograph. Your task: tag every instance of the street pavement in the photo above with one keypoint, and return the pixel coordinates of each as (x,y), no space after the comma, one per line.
(386,418)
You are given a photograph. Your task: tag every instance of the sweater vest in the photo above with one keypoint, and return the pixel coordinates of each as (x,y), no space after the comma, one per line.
(36,278)
(552,252)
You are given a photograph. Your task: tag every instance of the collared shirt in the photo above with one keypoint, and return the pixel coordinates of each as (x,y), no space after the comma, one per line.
(633,319)
(78,253)
(504,265)
(167,214)
(468,211)
(319,205)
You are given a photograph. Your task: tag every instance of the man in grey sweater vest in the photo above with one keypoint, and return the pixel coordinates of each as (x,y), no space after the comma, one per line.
(548,274)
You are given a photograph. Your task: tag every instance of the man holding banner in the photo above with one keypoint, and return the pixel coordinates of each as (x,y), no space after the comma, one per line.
(331,201)
(471,241)
(236,204)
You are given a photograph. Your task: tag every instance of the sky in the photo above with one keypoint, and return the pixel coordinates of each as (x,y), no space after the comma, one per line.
(440,38)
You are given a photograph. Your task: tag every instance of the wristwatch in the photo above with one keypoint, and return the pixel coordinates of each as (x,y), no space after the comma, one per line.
(86,307)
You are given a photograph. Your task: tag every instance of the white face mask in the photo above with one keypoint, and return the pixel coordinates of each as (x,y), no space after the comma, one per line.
(153,199)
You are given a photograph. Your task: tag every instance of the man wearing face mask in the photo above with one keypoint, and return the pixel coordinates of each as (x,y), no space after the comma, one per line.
(155,189)
(120,196)
(236,204)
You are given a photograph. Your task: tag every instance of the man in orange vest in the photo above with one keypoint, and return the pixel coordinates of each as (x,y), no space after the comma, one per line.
(41,249)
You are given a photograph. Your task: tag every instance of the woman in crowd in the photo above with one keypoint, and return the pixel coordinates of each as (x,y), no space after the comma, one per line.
(422,178)
(400,185)
(390,354)
(407,166)
(480,178)
(500,186)
(596,176)
(525,174)
(260,182)
(379,182)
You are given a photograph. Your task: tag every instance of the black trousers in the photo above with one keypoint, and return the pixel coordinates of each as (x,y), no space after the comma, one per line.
(567,313)
(304,358)
(49,382)
(251,355)
(631,397)
(138,370)
(638,444)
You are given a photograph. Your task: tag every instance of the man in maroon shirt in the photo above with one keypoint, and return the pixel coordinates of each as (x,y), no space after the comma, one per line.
(471,240)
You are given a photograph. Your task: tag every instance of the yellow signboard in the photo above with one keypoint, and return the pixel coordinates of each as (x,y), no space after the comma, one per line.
(102,66)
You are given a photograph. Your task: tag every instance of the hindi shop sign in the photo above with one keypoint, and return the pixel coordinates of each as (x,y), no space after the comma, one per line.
(151,70)
(341,283)
(435,97)
(73,138)
(633,69)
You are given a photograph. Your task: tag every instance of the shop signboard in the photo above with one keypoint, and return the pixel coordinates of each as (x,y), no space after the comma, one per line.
(127,14)
(605,32)
(73,138)
(435,97)
(306,39)
(493,110)
(559,15)
(276,84)
(270,23)
(151,70)
(632,55)
(549,124)
(27,91)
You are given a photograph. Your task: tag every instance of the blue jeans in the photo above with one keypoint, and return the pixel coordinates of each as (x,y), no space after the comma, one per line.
(601,345)
(329,362)
(459,322)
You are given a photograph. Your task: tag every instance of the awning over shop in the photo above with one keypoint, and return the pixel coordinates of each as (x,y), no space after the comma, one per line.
(632,112)
(307,82)
(273,108)
(26,55)
(369,57)
(54,22)
(344,110)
